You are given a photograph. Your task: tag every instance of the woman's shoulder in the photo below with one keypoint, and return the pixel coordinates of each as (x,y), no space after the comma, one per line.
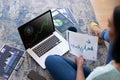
(103,73)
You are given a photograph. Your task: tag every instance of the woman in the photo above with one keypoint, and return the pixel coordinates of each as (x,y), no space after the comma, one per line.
(65,69)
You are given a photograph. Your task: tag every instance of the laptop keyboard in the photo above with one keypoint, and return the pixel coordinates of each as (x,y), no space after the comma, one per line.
(46,46)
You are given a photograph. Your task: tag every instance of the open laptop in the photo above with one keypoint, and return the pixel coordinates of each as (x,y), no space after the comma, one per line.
(41,40)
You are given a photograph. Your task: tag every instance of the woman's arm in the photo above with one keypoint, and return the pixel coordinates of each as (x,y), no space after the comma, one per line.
(80,75)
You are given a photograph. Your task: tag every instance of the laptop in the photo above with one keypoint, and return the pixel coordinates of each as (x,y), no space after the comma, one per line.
(41,40)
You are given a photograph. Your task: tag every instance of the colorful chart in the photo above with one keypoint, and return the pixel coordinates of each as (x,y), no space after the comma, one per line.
(58,22)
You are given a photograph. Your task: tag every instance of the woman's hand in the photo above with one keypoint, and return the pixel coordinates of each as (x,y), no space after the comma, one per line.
(79,62)
(80,74)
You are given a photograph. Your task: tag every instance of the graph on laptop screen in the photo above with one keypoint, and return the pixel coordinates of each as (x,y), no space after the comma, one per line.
(36,30)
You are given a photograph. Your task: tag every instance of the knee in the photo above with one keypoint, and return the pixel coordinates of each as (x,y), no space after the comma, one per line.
(50,60)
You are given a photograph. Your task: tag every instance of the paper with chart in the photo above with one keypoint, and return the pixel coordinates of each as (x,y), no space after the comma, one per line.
(83,44)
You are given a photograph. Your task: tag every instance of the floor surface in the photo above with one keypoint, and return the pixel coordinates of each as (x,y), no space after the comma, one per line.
(17,12)
(103,10)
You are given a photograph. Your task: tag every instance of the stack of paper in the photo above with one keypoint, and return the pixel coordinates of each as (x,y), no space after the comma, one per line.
(64,20)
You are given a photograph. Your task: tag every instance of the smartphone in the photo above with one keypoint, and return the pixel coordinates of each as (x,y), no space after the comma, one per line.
(35,76)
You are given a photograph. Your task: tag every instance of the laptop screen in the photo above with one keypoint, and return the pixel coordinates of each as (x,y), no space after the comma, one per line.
(37,29)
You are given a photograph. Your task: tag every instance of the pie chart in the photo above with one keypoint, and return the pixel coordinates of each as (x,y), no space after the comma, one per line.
(58,22)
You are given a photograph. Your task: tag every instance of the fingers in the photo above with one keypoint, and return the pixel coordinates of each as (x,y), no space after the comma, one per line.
(81,56)
(78,59)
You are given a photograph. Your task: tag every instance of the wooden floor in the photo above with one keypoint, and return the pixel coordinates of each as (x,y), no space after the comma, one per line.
(103,10)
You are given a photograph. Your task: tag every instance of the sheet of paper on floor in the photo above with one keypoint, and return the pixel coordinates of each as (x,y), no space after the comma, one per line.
(83,44)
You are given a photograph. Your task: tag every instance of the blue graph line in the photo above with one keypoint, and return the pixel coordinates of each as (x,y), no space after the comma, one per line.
(82,49)
(45,23)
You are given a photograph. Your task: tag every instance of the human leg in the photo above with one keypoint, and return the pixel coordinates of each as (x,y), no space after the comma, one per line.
(59,68)
(86,69)
(97,31)
(103,34)
(66,62)
(109,54)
